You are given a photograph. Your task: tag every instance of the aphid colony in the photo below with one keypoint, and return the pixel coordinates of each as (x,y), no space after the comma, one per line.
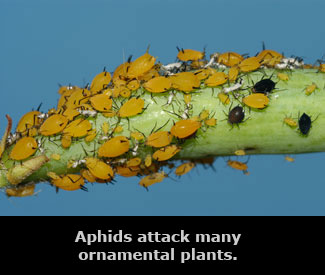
(117,98)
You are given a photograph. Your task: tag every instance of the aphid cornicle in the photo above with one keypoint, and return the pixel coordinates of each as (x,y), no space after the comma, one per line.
(304,124)
(264,86)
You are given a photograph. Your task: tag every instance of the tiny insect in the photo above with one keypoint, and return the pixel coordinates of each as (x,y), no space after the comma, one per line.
(53,125)
(24,148)
(152,179)
(69,182)
(132,107)
(290,122)
(289,159)
(101,102)
(283,76)
(249,64)
(21,191)
(166,153)
(264,86)
(100,81)
(258,101)
(185,81)
(159,139)
(114,147)
(158,84)
(216,79)
(99,169)
(310,89)
(304,124)
(184,168)
(141,65)
(238,165)
(236,115)
(230,59)
(185,128)
(189,55)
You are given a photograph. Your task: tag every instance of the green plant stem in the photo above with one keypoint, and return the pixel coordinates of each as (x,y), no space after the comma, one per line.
(262,132)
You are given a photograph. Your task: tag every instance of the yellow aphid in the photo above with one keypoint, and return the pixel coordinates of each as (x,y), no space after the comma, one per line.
(289,159)
(258,101)
(110,113)
(105,127)
(203,73)
(230,59)
(189,55)
(99,169)
(141,65)
(79,97)
(185,128)
(233,74)
(269,57)
(69,182)
(184,168)
(70,113)
(91,135)
(224,98)
(148,161)
(159,139)
(150,74)
(310,89)
(100,81)
(138,136)
(55,156)
(290,122)
(118,129)
(67,90)
(53,125)
(210,122)
(21,191)
(196,64)
(166,153)
(132,107)
(133,85)
(237,165)
(101,102)
(283,76)
(27,122)
(187,98)
(24,148)
(124,92)
(87,175)
(321,68)
(66,141)
(158,84)
(77,128)
(204,114)
(125,171)
(114,147)
(185,81)
(240,152)
(121,72)
(133,162)
(249,64)
(216,79)
(152,179)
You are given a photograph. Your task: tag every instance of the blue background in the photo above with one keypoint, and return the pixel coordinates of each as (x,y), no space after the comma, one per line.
(44,43)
